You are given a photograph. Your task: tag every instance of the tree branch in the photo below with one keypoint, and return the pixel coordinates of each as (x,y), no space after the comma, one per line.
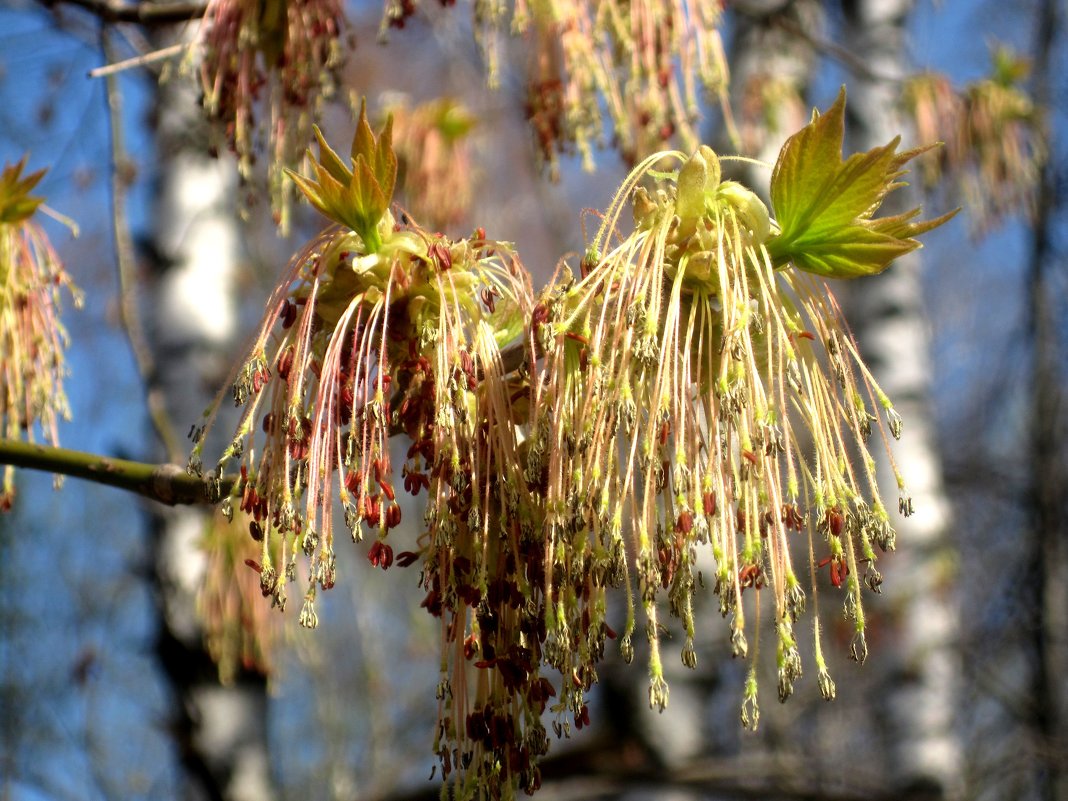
(114,11)
(168,484)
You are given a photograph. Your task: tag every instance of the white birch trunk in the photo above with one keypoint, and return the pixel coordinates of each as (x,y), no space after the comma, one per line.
(887,314)
(195,321)
(916,724)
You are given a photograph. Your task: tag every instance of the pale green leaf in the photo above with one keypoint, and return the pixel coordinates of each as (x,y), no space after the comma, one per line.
(825,206)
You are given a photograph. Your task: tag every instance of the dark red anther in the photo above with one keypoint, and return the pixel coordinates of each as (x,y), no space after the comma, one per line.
(255,530)
(684,524)
(750,576)
(582,717)
(835,521)
(353,479)
(839,569)
(381,555)
(665,429)
(254,565)
(372,510)
(393,516)
(749,456)
(406,558)
(285,363)
(441,256)
(387,489)
(539,316)
(467,365)
(792,518)
(709,500)
(288,314)
(767,520)
(413,482)
(432,603)
(346,395)
(470,647)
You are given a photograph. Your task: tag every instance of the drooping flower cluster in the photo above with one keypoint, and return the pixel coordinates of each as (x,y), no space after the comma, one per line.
(240,632)
(275,60)
(379,328)
(992,133)
(32,339)
(695,388)
(435,168)
(643,62)
(604,70)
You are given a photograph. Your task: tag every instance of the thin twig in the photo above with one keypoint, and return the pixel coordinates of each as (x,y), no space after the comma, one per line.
(140,13)
(846,57)
(139,61)
(124,254)
(778,17)
(165,483)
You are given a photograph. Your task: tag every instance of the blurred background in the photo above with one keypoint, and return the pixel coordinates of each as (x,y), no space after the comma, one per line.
(133,666)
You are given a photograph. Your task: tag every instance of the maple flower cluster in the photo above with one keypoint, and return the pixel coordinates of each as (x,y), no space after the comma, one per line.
(240,632)
(992,133)
(435,169)
(281,55)
(604,70)
(32,339)
(694,388)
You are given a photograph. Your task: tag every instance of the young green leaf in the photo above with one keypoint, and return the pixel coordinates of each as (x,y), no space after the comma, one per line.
(825,206)
(16,202)
(357,197)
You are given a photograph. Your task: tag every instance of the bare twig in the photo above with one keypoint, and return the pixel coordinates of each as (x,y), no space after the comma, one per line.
(139,61)
(843,55)
(124,254)
(169,484)
(111,11)
(776,16)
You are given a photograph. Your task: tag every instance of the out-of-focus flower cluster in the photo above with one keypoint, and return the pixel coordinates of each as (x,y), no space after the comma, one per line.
(266,67)
(434,167)
(992,134)
(240,632)
(32,339)
(695,388)
(771,106)
(602,71)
